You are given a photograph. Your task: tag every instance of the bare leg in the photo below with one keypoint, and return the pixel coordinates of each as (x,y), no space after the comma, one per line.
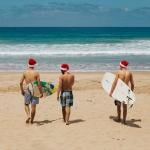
(64,113)
(118,111)
(27,110)
(124,113)
(67,114)
(33,111)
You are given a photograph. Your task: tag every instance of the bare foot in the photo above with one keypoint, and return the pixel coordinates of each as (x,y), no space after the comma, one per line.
(117,120)
(28,120)
(67,123)
(124,122)
(31,122)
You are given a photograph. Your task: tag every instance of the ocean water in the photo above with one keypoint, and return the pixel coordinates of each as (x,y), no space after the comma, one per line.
(85,49)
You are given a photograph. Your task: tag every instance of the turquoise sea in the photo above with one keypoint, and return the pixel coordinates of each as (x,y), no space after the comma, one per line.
(85,49)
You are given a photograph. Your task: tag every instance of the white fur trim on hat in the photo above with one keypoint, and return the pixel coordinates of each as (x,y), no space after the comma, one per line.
(31,66)
(64,69)
(123,65)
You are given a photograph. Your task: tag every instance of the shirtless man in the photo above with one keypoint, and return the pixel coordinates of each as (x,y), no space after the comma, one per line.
(127,77)
(29,76)
(66,81)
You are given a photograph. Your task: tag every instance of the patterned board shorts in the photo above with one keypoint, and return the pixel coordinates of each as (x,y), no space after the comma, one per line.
(66,98)
(29,99)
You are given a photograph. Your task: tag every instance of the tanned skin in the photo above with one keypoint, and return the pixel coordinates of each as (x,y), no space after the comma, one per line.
(66,81)
(28,76)
(127,77)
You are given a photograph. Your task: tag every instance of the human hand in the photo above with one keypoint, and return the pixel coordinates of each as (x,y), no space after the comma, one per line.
(110,94)
(41,95)
(57,98)
(22,92)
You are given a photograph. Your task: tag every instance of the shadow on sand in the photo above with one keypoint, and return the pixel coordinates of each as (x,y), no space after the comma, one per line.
(76,121)
(45,121)
(130,123)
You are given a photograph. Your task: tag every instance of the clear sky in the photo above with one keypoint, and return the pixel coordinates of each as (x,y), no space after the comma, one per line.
(74,13)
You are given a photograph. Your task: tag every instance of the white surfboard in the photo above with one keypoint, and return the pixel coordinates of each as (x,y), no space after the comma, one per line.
(122,92)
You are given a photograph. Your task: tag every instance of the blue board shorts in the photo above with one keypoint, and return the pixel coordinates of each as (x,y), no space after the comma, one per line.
(29,99)
(66,98)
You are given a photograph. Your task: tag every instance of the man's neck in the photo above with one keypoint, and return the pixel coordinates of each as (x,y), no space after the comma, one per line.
(123,68)
(64,72)
(31,68)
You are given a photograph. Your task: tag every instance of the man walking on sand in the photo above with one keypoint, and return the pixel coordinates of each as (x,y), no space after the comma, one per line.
(66,81)
(29,76)
(127,77)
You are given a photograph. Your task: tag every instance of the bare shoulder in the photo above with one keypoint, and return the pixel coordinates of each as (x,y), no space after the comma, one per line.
(36,72)
(72,74)
(118,73)
(24,73)
(129,73)
(61,77)
(22,76)
(32,73)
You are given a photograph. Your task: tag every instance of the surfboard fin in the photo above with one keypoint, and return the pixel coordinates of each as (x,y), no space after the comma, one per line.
(131,106)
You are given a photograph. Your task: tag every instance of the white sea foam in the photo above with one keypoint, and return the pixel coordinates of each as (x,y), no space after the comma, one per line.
(135,47)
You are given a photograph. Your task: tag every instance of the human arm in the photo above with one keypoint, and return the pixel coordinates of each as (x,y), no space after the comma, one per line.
(21,84)
(73,79)
(39,85)
(114,85)
(132,82)
(59,88)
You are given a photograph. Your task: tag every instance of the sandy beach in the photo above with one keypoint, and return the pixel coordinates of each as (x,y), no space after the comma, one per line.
(92,125)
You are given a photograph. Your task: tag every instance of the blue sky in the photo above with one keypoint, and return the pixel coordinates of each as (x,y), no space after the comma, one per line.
(75,13)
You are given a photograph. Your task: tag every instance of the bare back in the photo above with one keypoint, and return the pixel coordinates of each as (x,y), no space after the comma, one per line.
(30,75)
(66,81)
(126,77)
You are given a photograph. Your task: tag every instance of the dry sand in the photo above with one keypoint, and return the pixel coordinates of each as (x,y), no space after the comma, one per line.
(92,126)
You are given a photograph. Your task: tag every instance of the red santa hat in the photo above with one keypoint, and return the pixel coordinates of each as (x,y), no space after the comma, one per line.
(31,62)
(64,67)
(124,63)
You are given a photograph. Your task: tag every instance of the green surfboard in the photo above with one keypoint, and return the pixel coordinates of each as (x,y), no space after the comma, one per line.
(48,88)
